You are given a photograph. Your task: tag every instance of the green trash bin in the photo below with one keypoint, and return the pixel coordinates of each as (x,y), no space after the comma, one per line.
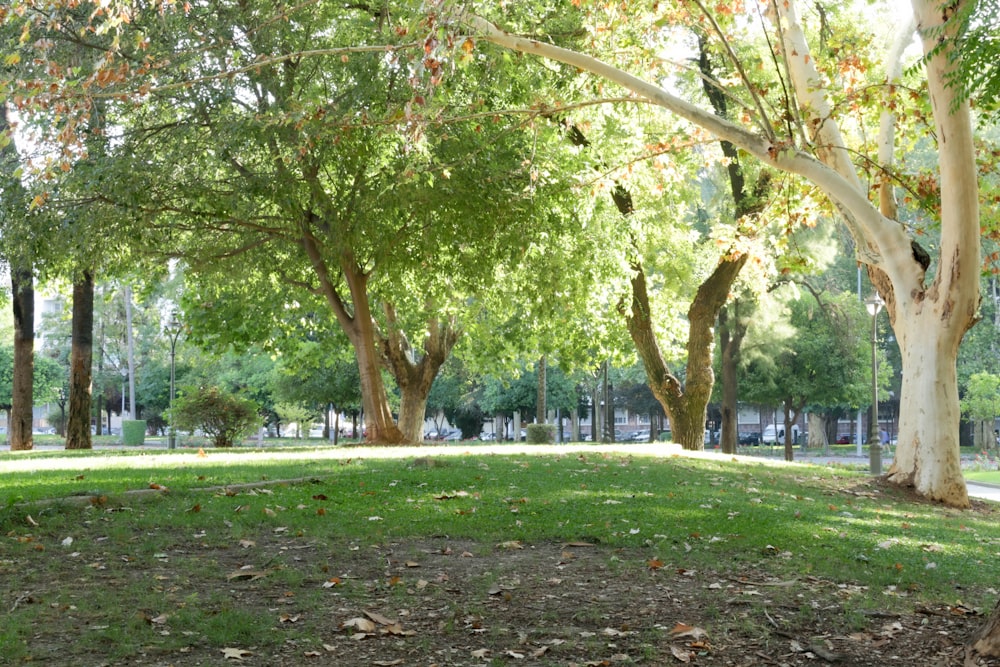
(133,432)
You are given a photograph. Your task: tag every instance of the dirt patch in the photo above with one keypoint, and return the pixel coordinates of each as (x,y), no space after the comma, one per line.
(447,602)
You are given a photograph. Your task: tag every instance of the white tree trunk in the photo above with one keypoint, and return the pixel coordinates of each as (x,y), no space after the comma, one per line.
(927,454)
(817,432)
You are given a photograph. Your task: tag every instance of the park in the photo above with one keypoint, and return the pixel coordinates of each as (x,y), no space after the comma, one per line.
(459,333)
(471,554)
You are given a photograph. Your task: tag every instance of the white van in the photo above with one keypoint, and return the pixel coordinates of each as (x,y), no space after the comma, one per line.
(774,434)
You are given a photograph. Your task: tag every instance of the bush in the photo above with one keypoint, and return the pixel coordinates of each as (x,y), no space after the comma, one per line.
(539,434)
(223,417)
(133,431)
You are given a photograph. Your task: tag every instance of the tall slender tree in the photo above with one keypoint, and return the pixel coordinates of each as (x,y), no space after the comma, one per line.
(14,202)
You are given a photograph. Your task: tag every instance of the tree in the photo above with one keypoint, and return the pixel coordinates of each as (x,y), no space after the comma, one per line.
(222,416)
(315,168)
(47,378)
(981,404)
(20,265)
(822,361)
(929,314)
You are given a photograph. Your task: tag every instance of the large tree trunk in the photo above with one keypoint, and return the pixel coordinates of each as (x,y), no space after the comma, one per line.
(927,454)
(81,359)
(360,329)
(687,405)
(22,399)
(22,295)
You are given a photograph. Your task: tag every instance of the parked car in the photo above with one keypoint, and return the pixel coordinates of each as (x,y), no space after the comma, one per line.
(844,440)
(639,436)
(749,438)
(774,434)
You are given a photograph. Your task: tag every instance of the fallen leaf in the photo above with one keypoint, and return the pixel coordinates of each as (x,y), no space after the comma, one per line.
(358,623)
(684,630)
(512,544)
(481,653)
(30,521)
(681,654)
(234,653)
(380,619)
(450,496)
(288,618)
(388,663)
(246,544)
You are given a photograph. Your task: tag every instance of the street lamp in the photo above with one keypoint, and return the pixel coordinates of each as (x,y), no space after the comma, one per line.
(874,306)
(173,331)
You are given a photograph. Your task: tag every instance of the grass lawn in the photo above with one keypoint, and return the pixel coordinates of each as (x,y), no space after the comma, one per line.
(466,558)
(984,476)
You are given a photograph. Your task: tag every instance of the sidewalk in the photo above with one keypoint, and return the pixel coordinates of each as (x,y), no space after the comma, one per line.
(154,445)
(983,491)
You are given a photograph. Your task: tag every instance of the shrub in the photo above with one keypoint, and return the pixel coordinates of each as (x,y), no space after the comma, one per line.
(133,432)
(223,417)
(540,433)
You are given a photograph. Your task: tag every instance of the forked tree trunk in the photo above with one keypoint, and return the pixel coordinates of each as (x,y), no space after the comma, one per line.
(360,329)
(81,358)
(686,405)
(23,298)
(415,378)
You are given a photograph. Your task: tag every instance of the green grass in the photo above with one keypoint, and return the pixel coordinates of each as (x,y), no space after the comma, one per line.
(984,476)
(705,510)
(678,513)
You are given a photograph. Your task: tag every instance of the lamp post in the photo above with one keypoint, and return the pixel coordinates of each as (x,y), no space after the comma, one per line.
(62,411)
(874,306)
(173,331)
